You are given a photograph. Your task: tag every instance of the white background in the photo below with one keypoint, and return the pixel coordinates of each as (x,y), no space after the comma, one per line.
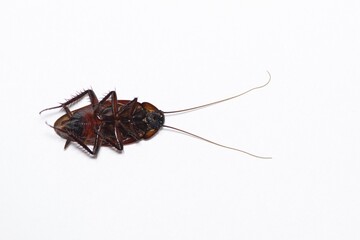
(178,54)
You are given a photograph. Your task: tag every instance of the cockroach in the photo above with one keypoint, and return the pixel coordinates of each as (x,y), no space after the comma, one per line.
(115,123)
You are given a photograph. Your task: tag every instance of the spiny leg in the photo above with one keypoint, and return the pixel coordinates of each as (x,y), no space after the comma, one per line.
(93,99)
(95,149)
(128,109)
(126,112)
(113,96)
(97,143)
(73,137)
(116,144)
(114,107)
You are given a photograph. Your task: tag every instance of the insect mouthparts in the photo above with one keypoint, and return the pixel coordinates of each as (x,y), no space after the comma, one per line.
(155,119)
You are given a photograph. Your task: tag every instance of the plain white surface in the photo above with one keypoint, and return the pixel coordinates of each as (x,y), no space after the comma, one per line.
(178,54)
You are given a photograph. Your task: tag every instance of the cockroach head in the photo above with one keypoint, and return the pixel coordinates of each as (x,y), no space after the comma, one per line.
(155,119)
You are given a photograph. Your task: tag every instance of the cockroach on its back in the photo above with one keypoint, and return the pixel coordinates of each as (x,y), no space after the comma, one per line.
(115,123)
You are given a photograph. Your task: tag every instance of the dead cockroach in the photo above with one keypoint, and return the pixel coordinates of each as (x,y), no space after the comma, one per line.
(113,122)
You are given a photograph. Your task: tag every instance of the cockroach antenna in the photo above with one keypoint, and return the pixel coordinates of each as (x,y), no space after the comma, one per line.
(215,143)
(213,103)
(220,101)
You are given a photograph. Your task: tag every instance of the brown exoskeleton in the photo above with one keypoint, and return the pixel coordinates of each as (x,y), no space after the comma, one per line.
(113,122)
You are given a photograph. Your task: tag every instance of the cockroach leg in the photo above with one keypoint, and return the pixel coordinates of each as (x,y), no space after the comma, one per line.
(118,138)
(93,99)
(116,144)
(72,137)
(128,109)
(126,112)
(96,147)
(113,97)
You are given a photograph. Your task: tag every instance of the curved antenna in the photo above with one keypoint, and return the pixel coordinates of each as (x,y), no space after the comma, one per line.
(222,100)
(217,144)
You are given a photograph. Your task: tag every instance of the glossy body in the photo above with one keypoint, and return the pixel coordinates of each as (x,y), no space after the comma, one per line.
(110,122)
(115,123)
